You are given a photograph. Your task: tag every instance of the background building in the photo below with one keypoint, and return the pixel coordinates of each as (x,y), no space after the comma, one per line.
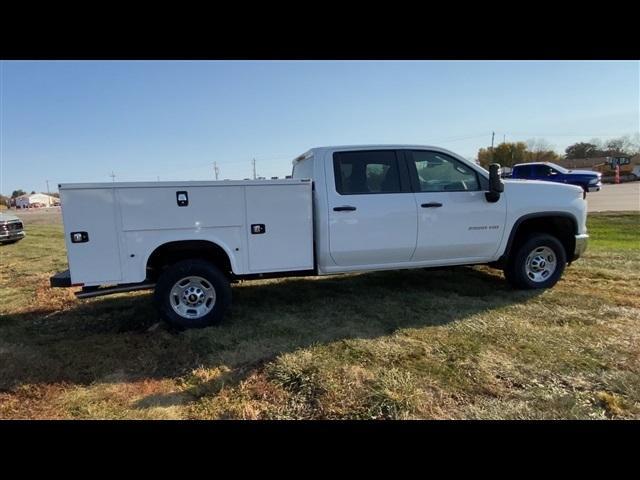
(35,200)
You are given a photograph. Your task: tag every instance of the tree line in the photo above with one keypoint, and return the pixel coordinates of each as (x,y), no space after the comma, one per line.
(538,150)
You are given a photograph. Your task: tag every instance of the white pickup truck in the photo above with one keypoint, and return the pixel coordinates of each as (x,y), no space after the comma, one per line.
(345,209)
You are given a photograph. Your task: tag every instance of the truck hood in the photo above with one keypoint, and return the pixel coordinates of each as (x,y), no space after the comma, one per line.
(588,173)
(543,187)
(7,217)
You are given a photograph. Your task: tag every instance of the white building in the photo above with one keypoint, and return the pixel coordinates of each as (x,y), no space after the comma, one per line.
(29,200)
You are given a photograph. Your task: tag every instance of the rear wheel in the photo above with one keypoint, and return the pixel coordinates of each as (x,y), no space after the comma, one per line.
(537,263)
(192,294)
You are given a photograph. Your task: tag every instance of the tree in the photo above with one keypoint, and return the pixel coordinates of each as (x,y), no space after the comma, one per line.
(17,193)
(540,151)
(581,150)
(625,146)
(506,154)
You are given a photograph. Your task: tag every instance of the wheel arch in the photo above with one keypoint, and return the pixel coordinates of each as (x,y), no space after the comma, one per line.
(562,225)
(171,252)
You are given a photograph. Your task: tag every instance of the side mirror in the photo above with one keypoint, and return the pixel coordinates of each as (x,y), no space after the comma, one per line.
(496,187)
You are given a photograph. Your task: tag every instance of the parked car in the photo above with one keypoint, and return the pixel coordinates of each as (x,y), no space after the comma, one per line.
(589,181)
(346,209)
(11,228)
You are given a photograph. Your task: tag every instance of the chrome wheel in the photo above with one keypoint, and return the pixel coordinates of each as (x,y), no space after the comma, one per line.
(192,297)
(540,264)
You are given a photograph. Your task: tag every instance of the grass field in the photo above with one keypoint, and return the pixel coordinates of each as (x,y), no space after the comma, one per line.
(451,343)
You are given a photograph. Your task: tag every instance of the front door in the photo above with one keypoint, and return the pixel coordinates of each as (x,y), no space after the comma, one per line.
(455,221)
(372,212)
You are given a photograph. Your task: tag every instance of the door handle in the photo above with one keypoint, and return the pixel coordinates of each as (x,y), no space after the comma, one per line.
(431,205)
(345,208)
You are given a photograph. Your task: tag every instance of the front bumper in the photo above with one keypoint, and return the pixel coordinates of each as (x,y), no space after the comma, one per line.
(11,235)
(581,245)
(594,188)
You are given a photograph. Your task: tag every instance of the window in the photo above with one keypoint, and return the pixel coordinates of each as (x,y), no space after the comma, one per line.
(366,172)
(438,172)
(543,170)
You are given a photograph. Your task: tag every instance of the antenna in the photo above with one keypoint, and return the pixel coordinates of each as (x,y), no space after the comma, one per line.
(492,135)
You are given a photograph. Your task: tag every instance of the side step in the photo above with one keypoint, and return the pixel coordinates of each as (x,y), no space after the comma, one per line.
(88,292)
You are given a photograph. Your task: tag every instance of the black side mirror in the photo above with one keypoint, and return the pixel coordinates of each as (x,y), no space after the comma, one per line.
(496,187)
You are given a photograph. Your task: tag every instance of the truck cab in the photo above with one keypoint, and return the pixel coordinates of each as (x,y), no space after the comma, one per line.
(346,209)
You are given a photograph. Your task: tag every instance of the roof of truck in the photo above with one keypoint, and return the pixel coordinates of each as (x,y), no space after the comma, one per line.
(534,163)
(370,147)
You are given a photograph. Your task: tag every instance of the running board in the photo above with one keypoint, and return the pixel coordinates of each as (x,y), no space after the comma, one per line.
(88,292)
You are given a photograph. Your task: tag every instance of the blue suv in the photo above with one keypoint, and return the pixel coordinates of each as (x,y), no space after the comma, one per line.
(588,180)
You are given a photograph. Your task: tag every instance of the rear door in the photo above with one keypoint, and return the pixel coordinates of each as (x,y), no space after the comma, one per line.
(372,212)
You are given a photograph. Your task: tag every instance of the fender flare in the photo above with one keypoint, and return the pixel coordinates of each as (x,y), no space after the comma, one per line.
(528,216)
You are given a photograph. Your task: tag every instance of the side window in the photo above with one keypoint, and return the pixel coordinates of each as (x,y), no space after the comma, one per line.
(366,172)
(438,172)
(541,170)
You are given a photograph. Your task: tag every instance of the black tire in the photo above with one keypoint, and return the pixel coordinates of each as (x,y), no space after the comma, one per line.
(9,242)
(516,268)
(189,268)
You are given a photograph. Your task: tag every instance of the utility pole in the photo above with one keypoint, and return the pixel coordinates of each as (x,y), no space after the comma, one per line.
(216,169)
(504,138)
(254,168)
(48,195)
(113,176)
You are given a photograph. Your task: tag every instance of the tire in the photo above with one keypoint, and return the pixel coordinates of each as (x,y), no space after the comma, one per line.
(538,254)
(192,294)
(9,242)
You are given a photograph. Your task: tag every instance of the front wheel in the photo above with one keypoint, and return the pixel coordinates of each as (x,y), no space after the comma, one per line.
(192,294)
(537,263)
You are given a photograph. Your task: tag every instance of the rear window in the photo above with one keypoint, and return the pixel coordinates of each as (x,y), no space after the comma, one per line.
(366,172)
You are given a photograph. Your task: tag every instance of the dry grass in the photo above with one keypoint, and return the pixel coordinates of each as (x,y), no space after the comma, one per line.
(451,343)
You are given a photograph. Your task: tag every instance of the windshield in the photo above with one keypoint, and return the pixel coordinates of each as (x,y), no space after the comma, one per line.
(559,168)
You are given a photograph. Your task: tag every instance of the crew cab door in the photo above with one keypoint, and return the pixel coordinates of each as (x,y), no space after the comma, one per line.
(372,212)
(456,223)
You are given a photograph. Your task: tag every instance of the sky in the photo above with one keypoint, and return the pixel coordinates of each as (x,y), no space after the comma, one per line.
(81,121)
